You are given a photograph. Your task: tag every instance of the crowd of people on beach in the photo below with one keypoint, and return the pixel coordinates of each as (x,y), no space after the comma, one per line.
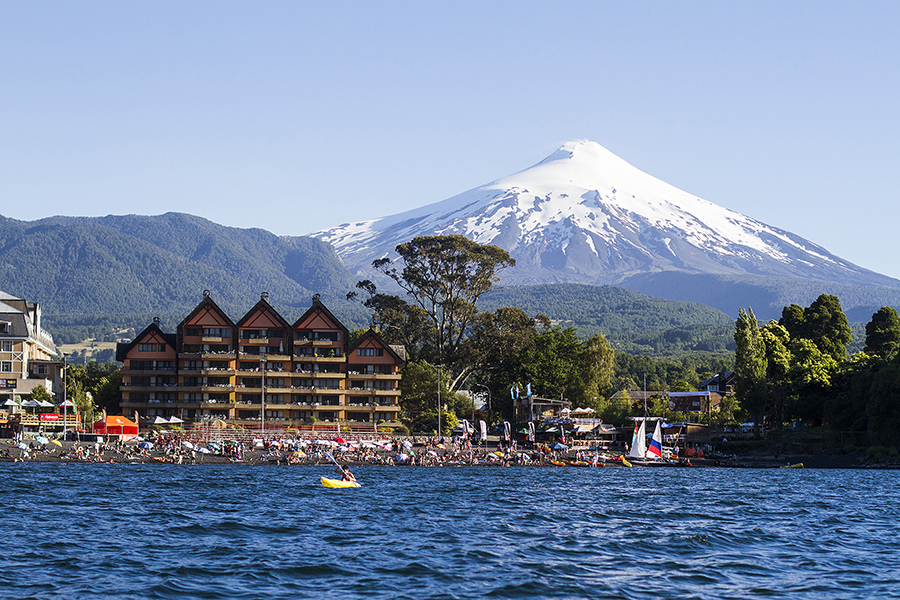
(297,450)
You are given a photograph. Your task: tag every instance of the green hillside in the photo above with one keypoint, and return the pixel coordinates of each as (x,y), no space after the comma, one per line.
(632,321)
(766,295)
(160,264)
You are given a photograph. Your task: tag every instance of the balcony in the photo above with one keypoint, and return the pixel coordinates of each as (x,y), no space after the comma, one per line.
(372,376)
(220,354)
(148,370)
(216,371)
(316,343)
(323,375)
(217,388)
(269,357)
(319,359)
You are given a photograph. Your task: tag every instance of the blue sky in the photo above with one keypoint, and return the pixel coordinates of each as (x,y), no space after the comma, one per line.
(315,114)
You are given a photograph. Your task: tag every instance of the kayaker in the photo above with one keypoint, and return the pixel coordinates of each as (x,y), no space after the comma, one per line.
(346,475)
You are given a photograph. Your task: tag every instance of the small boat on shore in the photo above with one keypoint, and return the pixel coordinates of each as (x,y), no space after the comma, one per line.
(793,466)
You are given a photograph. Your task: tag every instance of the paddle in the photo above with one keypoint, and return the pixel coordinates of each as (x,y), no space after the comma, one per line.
(339,466)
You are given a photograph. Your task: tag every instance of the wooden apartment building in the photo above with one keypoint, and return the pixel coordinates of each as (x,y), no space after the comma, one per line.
(261,370)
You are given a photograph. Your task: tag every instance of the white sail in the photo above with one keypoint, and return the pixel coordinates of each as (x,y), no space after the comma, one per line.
(639,441)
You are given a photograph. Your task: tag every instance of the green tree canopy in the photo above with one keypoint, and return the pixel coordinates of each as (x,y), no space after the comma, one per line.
(883,333)
(445,276)
(750,365)
(823,322)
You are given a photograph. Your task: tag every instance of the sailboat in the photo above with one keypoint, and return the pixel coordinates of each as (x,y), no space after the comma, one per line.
(639,441)
(641,453)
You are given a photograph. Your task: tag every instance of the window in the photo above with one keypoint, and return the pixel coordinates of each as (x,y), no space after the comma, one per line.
(220,332)
(7,346)
(4,326)
(6,367)
(146,347)
(191,331)
(42,369)
(370,352)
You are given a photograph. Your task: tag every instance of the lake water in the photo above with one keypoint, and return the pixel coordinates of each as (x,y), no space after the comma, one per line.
(162,531)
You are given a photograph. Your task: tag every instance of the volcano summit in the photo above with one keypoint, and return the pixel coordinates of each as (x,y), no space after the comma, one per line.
(584,215)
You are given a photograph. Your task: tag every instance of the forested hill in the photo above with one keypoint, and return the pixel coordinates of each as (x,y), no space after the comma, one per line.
(632,321)
(161,264)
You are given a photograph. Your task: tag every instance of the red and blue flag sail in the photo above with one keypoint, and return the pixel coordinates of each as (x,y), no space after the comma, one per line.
(655,446)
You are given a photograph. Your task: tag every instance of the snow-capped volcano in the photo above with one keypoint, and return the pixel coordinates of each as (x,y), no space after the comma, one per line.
(585,215)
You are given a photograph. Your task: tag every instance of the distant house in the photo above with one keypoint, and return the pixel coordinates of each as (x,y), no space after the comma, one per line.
(694,402)
(723,383)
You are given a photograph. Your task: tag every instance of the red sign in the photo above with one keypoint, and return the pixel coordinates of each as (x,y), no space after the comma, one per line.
(49,417)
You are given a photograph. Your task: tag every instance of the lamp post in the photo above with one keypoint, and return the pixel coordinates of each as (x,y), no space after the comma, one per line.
(645,396)
(262,403)
(65,396)
(439,401)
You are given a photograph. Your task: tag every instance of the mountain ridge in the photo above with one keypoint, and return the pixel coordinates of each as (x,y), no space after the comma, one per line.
(584,215)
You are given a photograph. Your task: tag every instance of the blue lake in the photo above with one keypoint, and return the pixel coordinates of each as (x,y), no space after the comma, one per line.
(162,531)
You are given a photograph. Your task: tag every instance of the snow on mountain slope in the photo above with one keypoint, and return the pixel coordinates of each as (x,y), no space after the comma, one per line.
(585,215)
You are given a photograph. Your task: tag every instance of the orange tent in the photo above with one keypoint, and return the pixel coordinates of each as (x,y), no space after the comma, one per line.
(115,425)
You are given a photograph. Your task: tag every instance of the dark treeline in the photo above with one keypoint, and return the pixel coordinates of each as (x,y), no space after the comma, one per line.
(798,370)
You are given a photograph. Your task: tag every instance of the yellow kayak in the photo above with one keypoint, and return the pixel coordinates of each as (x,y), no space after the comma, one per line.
(794,466)
(338,483)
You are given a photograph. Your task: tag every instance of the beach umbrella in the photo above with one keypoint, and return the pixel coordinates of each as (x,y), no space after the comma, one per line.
(46,404)
(22,446)
(31,403)
(187,445)
(10,402)
(340,440)
(203,450)
(213,445)
(175,419)
(407,444)
(157,420)
(56,442)
(146,445)
(558,446)
(67,404)
(402,457)
(42,440)
(432,453)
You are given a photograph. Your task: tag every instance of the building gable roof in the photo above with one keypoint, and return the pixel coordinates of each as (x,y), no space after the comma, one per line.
(151,330)
(371,336)
(319,317)
(263,316)
(206,313)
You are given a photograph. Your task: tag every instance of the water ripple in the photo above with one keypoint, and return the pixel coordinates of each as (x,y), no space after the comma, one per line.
(165,531)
